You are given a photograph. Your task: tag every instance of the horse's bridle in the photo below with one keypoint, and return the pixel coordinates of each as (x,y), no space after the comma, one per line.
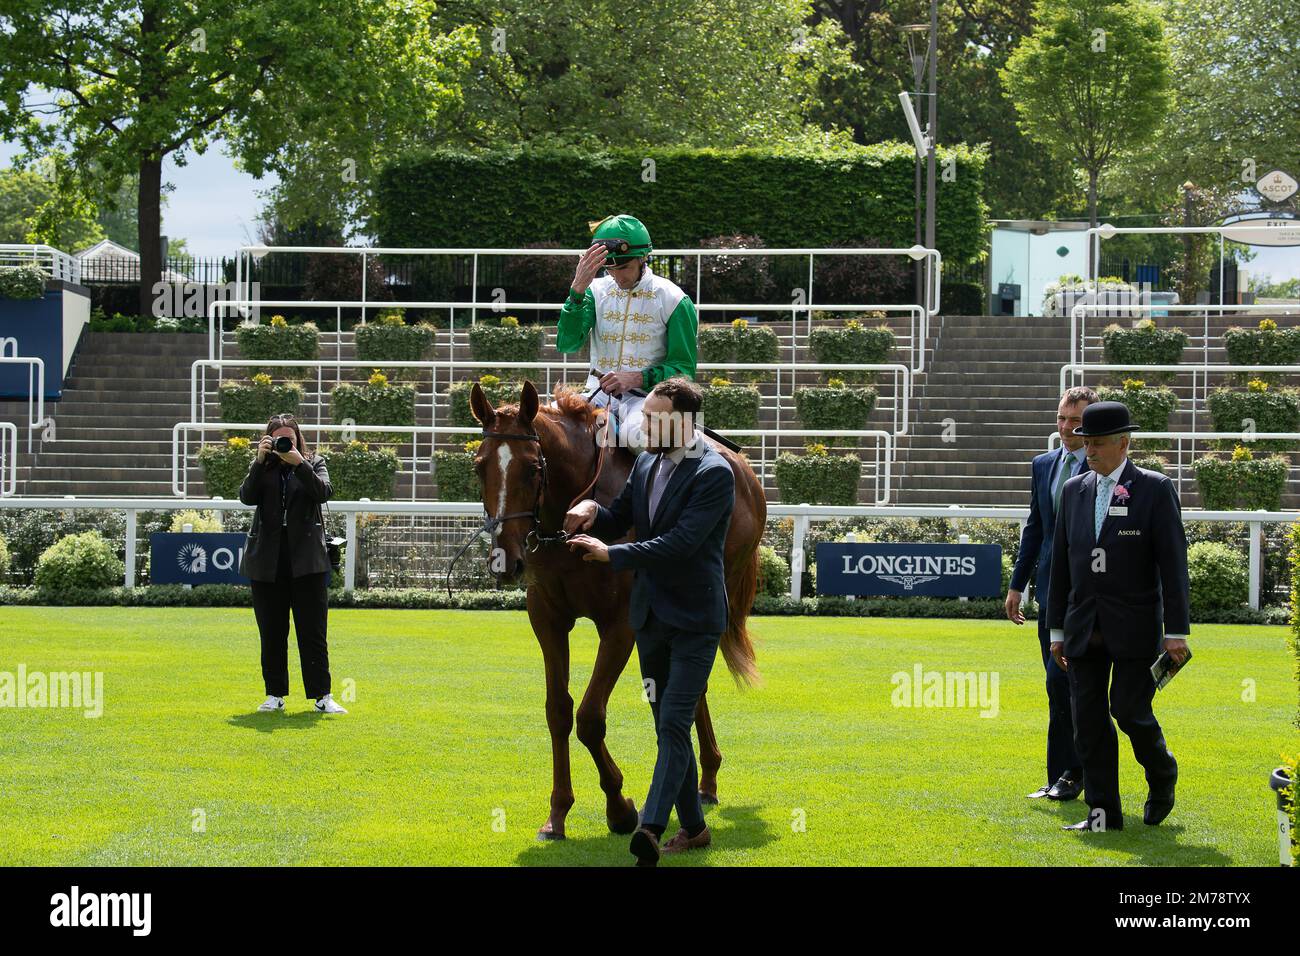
(533,540)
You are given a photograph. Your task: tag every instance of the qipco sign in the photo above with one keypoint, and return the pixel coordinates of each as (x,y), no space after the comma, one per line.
(195,558)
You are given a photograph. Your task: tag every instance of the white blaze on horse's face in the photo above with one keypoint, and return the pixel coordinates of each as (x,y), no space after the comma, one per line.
(503,459)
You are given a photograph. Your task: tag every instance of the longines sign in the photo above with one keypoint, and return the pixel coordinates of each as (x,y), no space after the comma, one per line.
(933,570)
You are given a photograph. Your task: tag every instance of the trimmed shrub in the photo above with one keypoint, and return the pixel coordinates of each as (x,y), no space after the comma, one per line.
(739,342)
(1144,344)
(82,560)
(1265,345)
(728,406)
(454,473)
(358,471)
(1149,406)
(852,344)
(224,466)
(818,477)
(538,278)
(1152,463)
(277,339)
(864,279)
(1241,481)
(773,572)
(22,282)
(1270,409)
(377,402)
(5,560)
(257,400)
(498,392)
(389,339)
(833,407)
(199,520)
(507,342)
(1217,576)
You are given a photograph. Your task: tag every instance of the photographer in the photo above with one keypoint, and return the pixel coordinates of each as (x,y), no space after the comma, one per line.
(287,561)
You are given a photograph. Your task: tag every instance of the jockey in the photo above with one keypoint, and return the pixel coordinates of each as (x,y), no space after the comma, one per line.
(642,327)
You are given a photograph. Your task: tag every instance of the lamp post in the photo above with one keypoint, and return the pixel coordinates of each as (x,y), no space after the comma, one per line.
(912,35)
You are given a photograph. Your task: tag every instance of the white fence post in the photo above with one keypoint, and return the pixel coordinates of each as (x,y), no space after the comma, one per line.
(130,548)
(797,561)
(963,539)
(350,555)
(1255,528)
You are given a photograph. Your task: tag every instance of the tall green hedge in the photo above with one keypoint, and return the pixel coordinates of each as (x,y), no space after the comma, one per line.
(511,196)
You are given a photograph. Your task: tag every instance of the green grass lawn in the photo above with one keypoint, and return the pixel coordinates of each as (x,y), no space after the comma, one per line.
(445,756)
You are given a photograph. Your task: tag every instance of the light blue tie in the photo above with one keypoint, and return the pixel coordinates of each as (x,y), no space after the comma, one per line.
(1103,503)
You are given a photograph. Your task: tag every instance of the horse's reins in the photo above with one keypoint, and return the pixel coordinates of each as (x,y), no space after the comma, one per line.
(533,540)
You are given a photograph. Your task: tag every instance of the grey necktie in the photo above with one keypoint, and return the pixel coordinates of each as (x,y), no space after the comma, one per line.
(663,472)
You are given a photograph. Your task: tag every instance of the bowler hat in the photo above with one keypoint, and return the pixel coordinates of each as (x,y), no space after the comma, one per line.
(1105,418)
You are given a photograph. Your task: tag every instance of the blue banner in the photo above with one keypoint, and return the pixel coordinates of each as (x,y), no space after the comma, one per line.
(931,570)
(32,327)
(210,557)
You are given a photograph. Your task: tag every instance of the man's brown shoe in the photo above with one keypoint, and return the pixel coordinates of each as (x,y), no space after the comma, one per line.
(645,847)
(684,841)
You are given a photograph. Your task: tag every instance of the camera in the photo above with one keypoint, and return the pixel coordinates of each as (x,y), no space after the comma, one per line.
(613,247)
(283,444)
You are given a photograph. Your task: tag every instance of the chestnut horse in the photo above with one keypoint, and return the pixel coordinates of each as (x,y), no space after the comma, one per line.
(534,463)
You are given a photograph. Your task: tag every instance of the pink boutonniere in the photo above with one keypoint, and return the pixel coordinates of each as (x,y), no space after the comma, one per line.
(1121,493)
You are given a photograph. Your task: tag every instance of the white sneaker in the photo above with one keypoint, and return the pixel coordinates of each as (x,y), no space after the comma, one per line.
(272,703)
(326,705)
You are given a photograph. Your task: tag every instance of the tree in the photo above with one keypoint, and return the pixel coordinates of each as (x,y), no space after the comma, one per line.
(663,72)
(45,204)
(127,83)
(1090,82)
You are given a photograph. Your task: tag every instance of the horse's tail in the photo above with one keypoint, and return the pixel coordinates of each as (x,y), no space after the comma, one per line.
(737,649)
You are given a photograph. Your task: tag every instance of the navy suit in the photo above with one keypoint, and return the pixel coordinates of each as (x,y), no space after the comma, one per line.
(1035,558)
(678,606)
(1114,597)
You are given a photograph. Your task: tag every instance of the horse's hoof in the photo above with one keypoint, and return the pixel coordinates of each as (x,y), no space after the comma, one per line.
(710,798)
(547,833)
(631,820)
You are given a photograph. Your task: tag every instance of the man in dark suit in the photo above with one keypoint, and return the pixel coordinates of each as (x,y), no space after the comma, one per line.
(1119,592)
(1050,471)
(679,497)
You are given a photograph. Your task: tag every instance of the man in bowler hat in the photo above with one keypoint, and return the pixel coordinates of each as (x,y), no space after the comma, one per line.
(1119,593)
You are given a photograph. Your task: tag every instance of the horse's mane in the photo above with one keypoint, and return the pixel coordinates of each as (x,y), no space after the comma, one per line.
(570,403)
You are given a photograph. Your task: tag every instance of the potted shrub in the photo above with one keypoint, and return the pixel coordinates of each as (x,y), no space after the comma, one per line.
(852,344)
(22,282)
(740,342)
(507,342)
(258,399)
(225,465)
(835,406)
(376,402)
(389,339)
(730,278)
(1258,408)
(1264,345)
(729,406)
(454,473)
(818,477)
(499,392)
(77,562)
(358,471)
(1144,344)
(276,340)
(1242,481)
(1149,406)
(1060,297)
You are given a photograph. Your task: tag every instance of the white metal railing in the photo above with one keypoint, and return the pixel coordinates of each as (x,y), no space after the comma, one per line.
(1203,371)
(1107,231)
(916,338)
(933,261)
(802,516)
(35,390)
(880,470)
(1079,321)
(55,264)
(1189,440)
(898,406)
(8,459)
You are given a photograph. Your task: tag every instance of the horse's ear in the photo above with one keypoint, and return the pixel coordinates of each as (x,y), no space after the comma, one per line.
(528,402)
(481,406)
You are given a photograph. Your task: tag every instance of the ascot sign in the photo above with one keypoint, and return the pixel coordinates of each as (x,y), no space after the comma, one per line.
(933,570)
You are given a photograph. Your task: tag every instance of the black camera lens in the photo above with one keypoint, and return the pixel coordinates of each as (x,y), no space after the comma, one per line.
(283,444)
